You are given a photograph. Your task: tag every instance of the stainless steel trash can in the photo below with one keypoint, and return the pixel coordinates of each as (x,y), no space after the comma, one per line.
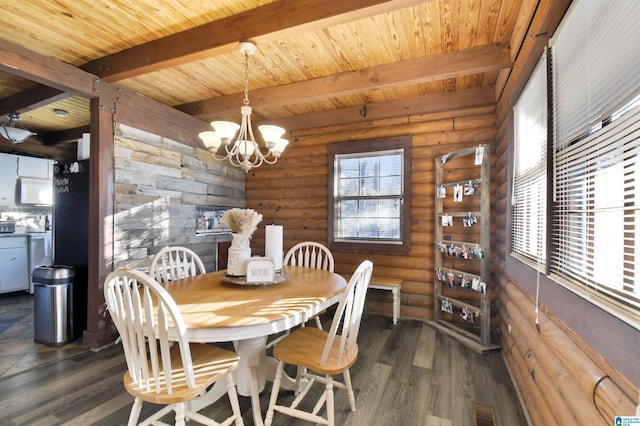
(53,304)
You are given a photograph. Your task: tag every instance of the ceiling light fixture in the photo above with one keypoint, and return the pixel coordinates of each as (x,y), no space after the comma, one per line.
(58,112)
(15,134)
(244,152)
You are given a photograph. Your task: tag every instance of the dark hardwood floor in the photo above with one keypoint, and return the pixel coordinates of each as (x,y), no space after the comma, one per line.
(407,374)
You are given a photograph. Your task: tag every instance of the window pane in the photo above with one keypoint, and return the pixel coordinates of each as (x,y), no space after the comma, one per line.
(368,208)
(596,150)
(389,228)
(595,216)
(349,208)
(368,195)
(529,197)
(349,187)
(369,186)
(349,168)
(390,208)
(391,185)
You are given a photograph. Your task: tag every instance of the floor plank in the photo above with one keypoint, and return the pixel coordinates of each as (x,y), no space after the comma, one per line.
(408,374)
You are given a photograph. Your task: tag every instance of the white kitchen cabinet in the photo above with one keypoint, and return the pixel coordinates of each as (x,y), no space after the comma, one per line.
(8,179)
(14,264)
(35,167)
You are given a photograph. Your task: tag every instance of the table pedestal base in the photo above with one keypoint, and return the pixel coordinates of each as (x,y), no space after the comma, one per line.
(253,371)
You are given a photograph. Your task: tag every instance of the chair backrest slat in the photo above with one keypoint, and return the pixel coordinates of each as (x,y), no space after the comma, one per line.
(311,255)
(148,321)
(349,313)
(172,263)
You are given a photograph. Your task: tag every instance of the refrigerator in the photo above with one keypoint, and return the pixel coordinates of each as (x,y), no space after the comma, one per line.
(70,232)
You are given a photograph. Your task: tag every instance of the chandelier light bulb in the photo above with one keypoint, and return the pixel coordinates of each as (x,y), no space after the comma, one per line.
(246,148)
(211,140)
(225,129)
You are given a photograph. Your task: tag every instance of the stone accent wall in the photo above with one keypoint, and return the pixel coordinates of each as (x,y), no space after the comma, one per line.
(159,186)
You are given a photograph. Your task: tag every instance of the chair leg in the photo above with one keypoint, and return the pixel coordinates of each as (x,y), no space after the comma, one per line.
(318,322)
(329,396)
(135,412)
(233,398)
(347,383)
(179,409)
(274,393)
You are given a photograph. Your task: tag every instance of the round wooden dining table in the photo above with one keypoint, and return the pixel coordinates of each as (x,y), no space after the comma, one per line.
(215,310)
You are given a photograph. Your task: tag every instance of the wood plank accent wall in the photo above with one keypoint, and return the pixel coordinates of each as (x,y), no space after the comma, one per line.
(293,193)
(159,185)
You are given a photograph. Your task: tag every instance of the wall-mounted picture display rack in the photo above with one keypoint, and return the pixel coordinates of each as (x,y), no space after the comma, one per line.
(462,301)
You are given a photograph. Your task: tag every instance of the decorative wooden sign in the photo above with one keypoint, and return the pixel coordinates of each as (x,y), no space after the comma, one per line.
(260,270)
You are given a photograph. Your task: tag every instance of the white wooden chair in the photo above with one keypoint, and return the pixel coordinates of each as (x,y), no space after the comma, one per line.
(162,366)
(172,263)
(324,353)
(311,255)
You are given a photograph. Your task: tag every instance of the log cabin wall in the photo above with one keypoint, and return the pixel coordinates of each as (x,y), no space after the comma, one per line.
(577,364)
(565,372)
(159,186)
(293,193)
(561,378)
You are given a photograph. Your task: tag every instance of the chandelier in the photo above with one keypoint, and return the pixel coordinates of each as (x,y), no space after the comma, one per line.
(244,152)
(12,133)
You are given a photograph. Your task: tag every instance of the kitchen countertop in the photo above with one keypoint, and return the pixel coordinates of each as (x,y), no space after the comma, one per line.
(24,234)
(204,232)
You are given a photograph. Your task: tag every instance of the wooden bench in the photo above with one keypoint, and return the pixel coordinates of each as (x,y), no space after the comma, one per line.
(390,284)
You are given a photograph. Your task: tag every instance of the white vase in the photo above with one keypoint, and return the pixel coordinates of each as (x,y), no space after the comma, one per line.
(239,253)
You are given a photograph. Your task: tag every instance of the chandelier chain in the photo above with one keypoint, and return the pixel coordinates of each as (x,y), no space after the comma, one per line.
(246,78)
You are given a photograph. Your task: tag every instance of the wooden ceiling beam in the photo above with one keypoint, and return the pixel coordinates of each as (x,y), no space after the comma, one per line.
(29,99)
(410,72)
(279,19)
(425,104)
(65,136)
(22,62)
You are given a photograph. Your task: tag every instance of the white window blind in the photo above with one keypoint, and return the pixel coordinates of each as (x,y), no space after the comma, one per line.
(369,194)
(596,62)
(596,234)
(529,195)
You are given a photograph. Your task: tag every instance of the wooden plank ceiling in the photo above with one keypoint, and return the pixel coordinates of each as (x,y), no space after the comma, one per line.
(318,59)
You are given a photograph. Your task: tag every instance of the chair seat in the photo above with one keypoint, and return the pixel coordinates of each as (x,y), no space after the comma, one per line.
(209,364)
(304,346)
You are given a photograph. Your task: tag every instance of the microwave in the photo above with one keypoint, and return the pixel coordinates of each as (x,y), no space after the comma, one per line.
(35,191)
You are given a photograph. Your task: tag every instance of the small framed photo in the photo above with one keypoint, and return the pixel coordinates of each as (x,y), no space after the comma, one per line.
(466,314)
(441,192)
(475,284)
(479,156)
(457,193)
(469,220)
(470,188)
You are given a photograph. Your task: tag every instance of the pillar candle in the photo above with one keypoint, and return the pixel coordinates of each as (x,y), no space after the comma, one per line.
(273,244)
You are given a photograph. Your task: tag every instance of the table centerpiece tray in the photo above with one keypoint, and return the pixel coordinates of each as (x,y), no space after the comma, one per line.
(242,280)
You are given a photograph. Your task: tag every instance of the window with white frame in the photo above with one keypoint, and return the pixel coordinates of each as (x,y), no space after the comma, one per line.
(368,194)
(595,245)
(529,195)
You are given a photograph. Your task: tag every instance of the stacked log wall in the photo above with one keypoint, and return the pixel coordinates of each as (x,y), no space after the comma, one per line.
(560,377)
(294,193)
